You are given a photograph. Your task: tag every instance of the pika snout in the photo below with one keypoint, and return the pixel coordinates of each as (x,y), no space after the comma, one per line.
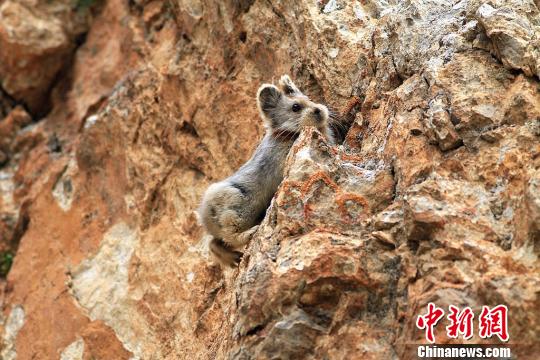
(320,112)
(316,116)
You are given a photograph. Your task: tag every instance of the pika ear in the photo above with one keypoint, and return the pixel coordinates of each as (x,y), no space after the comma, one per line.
(268,98)
(287,86)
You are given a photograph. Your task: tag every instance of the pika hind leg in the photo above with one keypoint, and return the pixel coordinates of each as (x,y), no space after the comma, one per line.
(224,254)
(232,228)
(223,251)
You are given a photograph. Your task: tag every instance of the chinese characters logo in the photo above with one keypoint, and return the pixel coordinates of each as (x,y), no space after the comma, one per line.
(491,322)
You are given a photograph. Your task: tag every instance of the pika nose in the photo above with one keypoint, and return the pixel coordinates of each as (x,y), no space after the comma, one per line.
(317,113)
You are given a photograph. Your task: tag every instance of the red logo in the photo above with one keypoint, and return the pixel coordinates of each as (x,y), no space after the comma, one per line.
(494,322)
(429,321)
(460,322)
(490,322)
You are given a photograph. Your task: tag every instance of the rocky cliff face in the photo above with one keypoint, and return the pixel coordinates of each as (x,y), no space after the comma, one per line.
(115,116)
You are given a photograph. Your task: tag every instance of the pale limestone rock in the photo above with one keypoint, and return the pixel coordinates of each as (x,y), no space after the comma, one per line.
(13,325)
(63,189)
(100,285)
(73,351)
(514,29)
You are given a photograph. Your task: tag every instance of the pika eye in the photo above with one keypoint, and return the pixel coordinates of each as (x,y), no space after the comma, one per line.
(296,107)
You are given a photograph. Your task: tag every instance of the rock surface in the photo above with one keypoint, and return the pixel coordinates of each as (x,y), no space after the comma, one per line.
(37,38)
(432,197)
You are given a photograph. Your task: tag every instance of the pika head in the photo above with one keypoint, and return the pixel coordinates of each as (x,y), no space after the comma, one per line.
(286,108)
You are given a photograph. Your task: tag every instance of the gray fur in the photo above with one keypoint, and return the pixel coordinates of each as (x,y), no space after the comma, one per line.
(231,209)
